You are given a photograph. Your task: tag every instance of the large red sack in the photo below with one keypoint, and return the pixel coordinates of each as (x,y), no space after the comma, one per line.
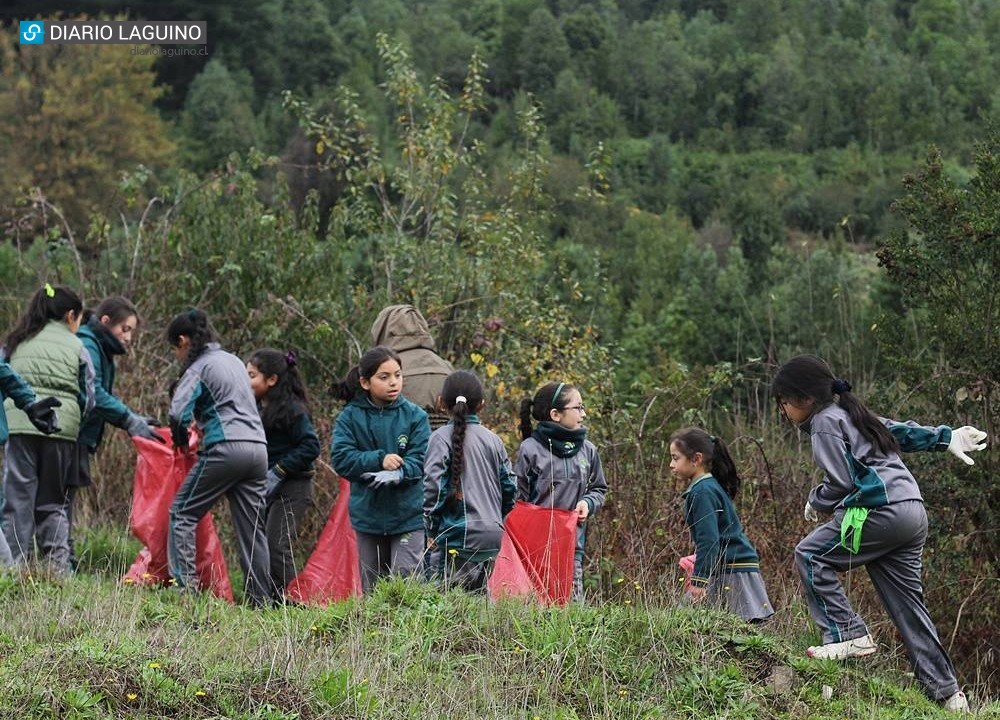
(536,555)
(159,472)
(332,571)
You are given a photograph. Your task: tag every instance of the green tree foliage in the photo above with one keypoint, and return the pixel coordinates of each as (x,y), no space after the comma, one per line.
(218,116)
(72,119)
(421,223)
(945,263)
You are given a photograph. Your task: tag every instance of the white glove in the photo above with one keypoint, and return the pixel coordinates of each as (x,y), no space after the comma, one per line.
(810,513)
(966,439)
(384,478)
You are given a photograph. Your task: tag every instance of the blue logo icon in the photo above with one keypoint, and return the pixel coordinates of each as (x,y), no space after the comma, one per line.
(32,32)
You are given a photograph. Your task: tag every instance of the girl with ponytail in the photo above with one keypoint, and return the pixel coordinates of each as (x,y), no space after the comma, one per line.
(469,488)
(557,466)
(214,393)
(41,456)
(879,520)
(379,442)
(727,567)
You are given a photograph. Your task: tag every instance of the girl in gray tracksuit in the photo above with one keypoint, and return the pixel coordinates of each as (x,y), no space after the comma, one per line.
(878,520)
(469,489)
(557,467)
(215,393)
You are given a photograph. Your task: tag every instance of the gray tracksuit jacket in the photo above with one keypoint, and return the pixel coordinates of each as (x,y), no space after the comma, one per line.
(215,392)
(544,478)
(473,525)
(858,474)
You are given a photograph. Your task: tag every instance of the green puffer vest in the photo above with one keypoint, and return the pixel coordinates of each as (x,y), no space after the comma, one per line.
(50,363)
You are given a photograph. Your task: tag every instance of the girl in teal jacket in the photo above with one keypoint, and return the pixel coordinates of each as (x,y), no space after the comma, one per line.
(379,442)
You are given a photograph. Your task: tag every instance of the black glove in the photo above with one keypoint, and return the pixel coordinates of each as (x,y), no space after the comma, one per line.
(179,434)
(138,426)
(42,415)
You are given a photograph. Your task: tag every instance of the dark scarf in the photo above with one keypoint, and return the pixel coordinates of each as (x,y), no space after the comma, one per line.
(111,344)
(564,443)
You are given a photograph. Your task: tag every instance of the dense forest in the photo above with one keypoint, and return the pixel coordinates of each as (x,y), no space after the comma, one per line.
(659,200)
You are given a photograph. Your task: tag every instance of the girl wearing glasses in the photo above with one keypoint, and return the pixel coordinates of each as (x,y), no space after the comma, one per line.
(557,466)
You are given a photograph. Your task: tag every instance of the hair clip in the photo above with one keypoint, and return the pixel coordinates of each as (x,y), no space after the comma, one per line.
(291,359)
(712,439)
(461,399)
(50,291)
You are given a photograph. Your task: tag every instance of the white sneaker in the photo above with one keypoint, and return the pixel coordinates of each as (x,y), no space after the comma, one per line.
(957,703)
(858,647)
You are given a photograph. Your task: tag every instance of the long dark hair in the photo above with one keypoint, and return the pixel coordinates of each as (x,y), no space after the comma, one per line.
(42,308)
(807,376)
(194,325)
(715,456)
(465,385)
(287,399)
(350,387)
(553,396)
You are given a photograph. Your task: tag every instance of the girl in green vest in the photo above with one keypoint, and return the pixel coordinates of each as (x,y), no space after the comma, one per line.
(44,350)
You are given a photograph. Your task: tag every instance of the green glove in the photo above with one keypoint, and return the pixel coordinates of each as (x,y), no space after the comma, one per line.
(850,528)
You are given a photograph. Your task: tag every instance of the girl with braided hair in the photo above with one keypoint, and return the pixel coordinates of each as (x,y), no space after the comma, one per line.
(469,488)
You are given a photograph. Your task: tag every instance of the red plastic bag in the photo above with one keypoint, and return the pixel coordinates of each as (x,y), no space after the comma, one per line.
(159,472)
(536,555)
(332,571)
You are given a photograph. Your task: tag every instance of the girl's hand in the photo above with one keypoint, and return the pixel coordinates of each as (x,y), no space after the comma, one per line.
(697,594)
(392,462)
(582,510)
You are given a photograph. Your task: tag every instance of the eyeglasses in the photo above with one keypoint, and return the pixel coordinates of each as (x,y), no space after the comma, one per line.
(578,408)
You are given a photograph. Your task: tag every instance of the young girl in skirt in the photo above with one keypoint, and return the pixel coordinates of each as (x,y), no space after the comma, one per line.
(727,568)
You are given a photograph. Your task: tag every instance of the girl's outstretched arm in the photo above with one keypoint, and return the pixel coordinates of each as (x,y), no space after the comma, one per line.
(913,437)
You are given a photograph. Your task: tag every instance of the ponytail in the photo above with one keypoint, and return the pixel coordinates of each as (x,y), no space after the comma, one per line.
(807,376)
(552,396)
(47,304)
(715,455)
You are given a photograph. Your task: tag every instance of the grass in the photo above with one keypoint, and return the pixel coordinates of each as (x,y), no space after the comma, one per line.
(90,647)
